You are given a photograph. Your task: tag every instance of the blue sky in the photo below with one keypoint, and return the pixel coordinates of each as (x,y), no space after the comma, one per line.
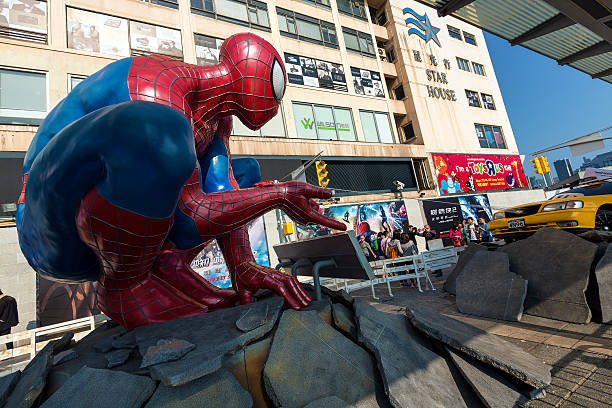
(548,103)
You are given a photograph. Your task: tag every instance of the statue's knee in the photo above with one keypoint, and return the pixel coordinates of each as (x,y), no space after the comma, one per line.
(246,172)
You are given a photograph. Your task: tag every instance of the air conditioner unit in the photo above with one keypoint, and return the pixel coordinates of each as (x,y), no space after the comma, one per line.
(382,54)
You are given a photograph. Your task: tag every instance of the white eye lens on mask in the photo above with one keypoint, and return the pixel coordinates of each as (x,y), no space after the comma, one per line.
(277,78)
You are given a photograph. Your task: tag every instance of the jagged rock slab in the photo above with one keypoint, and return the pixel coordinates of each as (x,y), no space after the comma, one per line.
(336,296)
(464,258)
(483,346)
(253,317)
(329,402)
(494,390)
(124,342)
(62,343)
(101,388)
(557,265)
(216,390)
(323,309)
(33,379)
(343,319)
(166,350)
(105,345)
(487,288)
(64,356)
(603,273)
(214,335)
(116,358)
(7,384)
(305,347)
(406,366)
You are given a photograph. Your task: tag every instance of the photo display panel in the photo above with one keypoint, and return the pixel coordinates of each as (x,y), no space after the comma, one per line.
(97,32)
(367,82)
(207,49)
(315,73)
(23,15)
(154,39)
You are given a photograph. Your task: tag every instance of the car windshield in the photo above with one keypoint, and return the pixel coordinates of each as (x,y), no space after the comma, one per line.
(592,190)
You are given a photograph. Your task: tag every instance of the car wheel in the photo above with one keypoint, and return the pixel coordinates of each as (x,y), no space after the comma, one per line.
(603,220)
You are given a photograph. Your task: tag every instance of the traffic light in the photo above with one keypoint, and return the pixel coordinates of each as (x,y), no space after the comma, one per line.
(544,163)
(320,165)
(537,165)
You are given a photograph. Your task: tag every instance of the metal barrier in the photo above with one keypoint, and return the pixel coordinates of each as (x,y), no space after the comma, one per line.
(37,338)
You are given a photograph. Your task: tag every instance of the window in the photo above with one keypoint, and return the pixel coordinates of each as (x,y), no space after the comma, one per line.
(148,39)
(469,38)
(487,101)
(166,3)
(408,132)
(23,97)
(390,54)
(320,3)
(74,80)
(306,28)
(381,18)
(247,13)
(376,127)
(274,128)
(478,68)
(358,42)
(353,8)
(323,122)
(463,64)
(490,137)
(399,93)
(473,99)
(454,32)
(24,20)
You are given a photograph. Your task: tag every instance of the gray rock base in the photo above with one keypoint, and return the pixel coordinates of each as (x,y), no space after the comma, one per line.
(166,350)
(481,345)
(464,258)
(329,402)
(117,357)
(487,288)
(217,390)
(343,319)
(33,380)
(603,274)
(408,369)
(95,388)
(7,383)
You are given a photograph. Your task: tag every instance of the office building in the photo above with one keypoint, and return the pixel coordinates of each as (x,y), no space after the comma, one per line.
(563,168)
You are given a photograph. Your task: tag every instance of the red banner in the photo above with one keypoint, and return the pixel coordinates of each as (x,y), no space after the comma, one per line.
(462,173)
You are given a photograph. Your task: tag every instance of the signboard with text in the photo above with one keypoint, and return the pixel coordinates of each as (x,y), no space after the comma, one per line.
(463,173)
(316,73)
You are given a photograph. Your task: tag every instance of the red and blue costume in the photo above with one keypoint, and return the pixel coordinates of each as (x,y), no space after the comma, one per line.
(130,175)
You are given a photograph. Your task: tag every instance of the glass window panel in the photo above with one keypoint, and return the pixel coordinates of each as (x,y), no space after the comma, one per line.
(253,15)
(487,101)
(275,127)
(481,137)
(369,126)
(489,136)
(263,17)
(326,126)
(324,2)
(463,64)
(23,91)
(232,9)
(384,129)
(282,23)
(469,38)
(363,44)
(308,29)
(478,68)
(473,99)
(499,137)
(351,41)
(454,32)
(74,81)
(344,124)
(344,5)
(304,121)
(239,129)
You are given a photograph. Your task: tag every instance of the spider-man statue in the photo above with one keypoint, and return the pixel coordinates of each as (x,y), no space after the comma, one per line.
(130,175)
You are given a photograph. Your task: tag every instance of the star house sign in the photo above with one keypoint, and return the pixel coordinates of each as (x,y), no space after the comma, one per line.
(421,26)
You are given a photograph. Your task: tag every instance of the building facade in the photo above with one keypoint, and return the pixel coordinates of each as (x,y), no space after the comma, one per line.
(563,167)
(386,89)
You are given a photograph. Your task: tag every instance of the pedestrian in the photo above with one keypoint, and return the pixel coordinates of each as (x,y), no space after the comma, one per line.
(8,316)
(455,235)
(465,236)
(394,249)
(385,241)
(485,234)
(412,232)
(408,247)
(472,230)
(428,234)
(367,249)
(378,250)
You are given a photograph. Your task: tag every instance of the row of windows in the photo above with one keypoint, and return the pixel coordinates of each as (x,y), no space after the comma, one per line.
(305,28)
(474,100)
(490,137)
(464,65)
(359,42)
(456,33)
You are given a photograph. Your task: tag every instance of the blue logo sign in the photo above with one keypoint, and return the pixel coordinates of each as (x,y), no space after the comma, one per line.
(423,29)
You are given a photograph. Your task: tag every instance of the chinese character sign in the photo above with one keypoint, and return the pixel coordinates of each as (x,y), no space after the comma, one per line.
(464,173)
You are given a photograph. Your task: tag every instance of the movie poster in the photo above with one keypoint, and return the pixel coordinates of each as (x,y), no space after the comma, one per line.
(367,82)
(207,49)
(442,213)
(60,302)
(154,39)
(211,265)
(361,218)
(96,32)
(315,73)
(464,173)
(25,15)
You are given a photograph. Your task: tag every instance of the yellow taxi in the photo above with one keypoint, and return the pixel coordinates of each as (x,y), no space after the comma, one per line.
(577,210)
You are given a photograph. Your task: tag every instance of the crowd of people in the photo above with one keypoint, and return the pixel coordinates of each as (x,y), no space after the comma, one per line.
(468,231)
(388,245)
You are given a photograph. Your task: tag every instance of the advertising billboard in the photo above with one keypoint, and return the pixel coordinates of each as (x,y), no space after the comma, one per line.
(210,263)
(25,15)
(154,39)
(207,49)
(367,82)
(316,73)
(464,173)
(59,302)
(96,32)
(442,213)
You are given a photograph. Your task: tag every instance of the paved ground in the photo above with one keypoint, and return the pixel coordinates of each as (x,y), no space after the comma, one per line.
(581,355)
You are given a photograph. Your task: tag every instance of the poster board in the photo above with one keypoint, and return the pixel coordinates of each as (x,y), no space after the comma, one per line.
(24,15)
(367,82)
(95,32)
(315,73)
(154,39)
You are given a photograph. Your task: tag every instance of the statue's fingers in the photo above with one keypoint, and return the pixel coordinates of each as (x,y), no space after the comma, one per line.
(294,288)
